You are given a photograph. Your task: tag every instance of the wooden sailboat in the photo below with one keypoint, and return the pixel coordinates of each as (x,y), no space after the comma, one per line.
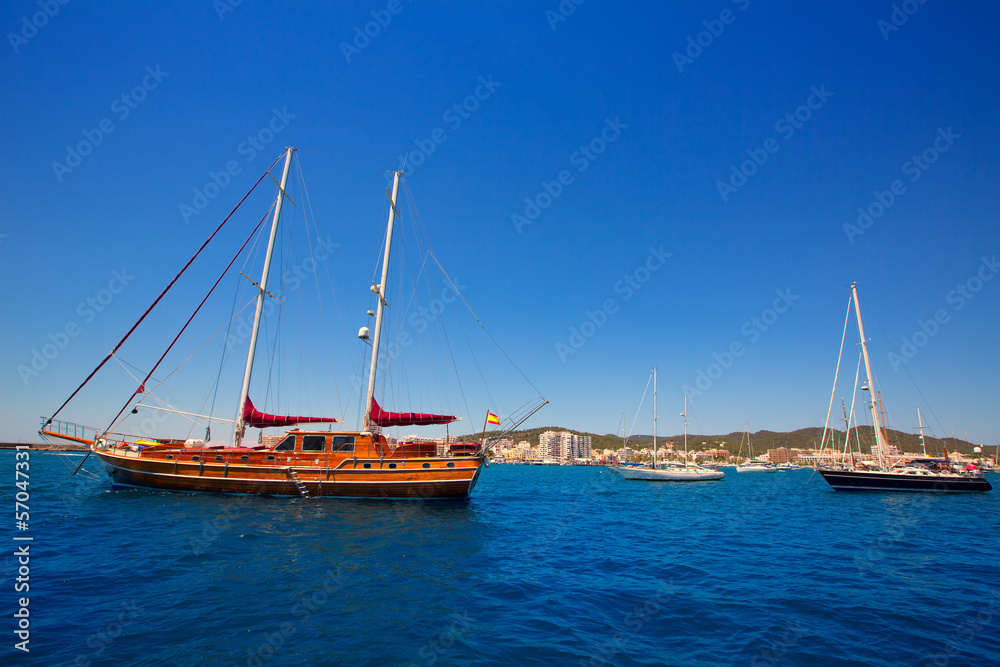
(314,461)
(887,472)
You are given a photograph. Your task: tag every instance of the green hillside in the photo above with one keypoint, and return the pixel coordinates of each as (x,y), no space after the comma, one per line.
(805,438)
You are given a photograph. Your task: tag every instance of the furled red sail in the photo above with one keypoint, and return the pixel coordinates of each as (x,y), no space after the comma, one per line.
(383,418)
(257,419)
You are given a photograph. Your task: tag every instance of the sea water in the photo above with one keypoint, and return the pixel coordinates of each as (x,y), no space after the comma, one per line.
(543,565)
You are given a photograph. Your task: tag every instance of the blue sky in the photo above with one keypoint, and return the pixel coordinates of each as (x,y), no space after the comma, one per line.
(738,137)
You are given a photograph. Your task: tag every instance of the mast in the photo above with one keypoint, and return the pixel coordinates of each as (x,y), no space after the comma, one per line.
(920,420)
(685,415)
(261,291)
(654,417)
(881,447)
(380,292)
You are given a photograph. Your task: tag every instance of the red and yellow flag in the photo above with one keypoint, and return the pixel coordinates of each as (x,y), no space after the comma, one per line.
(492,418)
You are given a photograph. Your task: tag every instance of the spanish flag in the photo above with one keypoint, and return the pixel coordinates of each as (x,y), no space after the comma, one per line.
(492,418)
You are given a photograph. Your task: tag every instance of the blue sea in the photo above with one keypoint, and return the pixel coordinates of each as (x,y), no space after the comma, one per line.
(541,566)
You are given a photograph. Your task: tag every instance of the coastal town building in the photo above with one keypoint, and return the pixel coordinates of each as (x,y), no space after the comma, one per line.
(563,446)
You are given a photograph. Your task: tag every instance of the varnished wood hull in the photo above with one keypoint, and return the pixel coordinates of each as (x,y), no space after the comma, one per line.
(444,478)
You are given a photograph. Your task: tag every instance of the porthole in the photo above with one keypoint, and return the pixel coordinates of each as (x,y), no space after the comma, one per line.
(427,465)
(195,458)
(451,464)
(392,465)
(170,457)
(218,458)
(270,458)
(367,465)
(245,458)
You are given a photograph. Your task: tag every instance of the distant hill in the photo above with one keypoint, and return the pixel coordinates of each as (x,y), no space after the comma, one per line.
(804,438)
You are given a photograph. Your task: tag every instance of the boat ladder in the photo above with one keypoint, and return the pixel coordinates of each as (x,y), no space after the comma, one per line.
(303,491)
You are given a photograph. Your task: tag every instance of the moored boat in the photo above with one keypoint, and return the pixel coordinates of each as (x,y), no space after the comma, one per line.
(671,471)
(751,464)
(887,472)
(313,461)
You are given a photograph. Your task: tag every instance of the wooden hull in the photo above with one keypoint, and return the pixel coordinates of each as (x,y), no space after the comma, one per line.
(453,477)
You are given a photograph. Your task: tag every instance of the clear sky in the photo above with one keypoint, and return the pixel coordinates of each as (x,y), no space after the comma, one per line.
(675,176)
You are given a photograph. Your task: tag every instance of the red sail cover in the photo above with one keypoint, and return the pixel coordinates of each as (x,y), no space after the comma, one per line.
(257,419)
(383,418)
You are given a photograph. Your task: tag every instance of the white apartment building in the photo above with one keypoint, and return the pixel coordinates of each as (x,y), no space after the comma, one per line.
(563,446)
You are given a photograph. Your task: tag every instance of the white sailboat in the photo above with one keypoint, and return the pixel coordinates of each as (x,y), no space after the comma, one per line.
(752,465)
(669,471)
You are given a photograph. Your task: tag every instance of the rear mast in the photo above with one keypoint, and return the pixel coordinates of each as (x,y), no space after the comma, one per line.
(379,290)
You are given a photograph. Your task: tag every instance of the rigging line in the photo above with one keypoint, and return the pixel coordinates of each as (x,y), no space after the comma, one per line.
(162,294)
(458,380)
(322,313)
(228,325)
(236,295)
(639,409)
(152,393)
(221,276)
(200,347)
(462,297)
(840,356)
(907,371)
(853,417)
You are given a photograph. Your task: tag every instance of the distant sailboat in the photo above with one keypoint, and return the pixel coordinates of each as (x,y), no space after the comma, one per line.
(669,471)
(752,465)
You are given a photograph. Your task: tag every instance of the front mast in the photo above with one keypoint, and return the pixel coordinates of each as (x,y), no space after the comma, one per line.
(261,291)
(880,444)
(380,292)
(654,417)
(685,415)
